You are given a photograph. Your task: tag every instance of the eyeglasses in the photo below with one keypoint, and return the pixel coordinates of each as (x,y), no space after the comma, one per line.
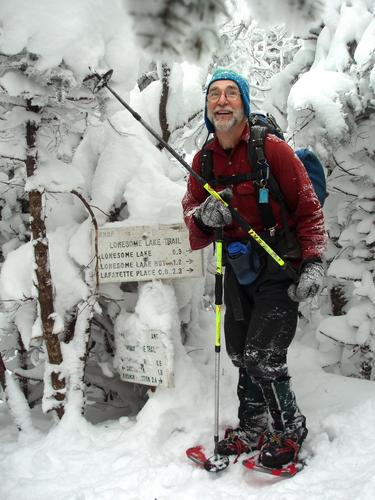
(230,94)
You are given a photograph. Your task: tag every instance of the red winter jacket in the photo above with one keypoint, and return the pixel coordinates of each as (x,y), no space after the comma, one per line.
(305,213)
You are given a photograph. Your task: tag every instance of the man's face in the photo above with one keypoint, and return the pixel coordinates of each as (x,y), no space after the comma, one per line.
(224,105)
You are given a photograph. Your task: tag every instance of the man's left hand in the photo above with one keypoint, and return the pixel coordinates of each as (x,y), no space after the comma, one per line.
(310,282)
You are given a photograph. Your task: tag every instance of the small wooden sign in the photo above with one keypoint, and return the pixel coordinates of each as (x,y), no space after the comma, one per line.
(146,252)
(145,360)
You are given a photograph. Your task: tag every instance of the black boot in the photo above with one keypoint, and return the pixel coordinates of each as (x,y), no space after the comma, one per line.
(279,448)
(282,445)
(237,441)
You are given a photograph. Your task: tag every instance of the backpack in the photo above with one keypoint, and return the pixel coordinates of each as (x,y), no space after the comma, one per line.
(315,171)
(310,161)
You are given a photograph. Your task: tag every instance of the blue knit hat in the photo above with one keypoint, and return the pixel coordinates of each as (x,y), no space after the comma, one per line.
(243,85)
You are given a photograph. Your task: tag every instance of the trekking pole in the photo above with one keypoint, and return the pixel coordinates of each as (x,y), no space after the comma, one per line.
(216,462)
(218,304)
(101,81)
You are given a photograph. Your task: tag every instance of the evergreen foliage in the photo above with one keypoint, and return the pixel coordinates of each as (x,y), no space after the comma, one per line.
(331,109)
(186,30)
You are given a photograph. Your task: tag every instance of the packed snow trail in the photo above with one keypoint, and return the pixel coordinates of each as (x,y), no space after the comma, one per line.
(144,458)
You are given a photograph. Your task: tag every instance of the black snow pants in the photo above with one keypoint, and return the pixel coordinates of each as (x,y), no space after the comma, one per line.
(260,323)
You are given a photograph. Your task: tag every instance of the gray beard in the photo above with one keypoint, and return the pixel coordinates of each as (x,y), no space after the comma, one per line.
(224,126)
(221,126)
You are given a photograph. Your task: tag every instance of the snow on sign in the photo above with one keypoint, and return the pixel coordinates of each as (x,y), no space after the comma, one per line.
(146,252)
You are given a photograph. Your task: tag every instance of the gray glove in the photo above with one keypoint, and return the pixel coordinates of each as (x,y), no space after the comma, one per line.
(213,213)
(310,281)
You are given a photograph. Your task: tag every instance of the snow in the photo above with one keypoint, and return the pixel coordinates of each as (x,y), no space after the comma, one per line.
(84,34)
(189,33)
(185,80)
(17,274)
(17,84)
(137,173)
(55,176)
(363,52)
(338,57)
(16,278)
(25,316)
(18,407)
(143,458)
(321,92)
(345,269)
(299,16)
(155,312)
(336,327)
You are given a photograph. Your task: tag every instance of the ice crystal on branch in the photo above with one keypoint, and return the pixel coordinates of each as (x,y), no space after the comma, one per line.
(258,53)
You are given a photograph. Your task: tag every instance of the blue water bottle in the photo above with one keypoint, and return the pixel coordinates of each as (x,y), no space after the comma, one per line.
(239,258)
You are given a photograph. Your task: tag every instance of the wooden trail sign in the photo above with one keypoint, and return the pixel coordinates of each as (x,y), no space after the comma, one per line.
(145,357)
(146,252)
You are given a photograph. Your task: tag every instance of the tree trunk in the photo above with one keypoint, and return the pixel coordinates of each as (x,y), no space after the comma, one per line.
(338,300)
(2,373)
(165,132)
(43,273)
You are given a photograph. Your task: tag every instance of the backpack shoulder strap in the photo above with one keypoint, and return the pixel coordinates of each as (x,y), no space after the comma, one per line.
(206,164)
(262,169)
(267,180)
(256,146)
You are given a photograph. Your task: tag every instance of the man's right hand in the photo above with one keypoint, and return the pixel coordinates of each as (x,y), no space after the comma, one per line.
(213,213)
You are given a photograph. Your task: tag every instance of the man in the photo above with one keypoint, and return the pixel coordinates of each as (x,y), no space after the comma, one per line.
(261,316)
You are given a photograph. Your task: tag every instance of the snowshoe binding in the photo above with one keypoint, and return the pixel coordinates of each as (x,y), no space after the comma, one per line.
(237,441)
(278,453)
(280,448)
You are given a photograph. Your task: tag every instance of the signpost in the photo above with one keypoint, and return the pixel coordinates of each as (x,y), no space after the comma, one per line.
(145,253)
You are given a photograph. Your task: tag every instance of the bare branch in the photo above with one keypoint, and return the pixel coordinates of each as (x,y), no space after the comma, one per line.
(96,227)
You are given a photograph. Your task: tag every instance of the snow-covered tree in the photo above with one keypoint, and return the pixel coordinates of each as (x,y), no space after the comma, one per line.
(44,126)
(87,160)
(257,52)
(190,29)
(331,110)
(298,15)
(175,29)
(48,285)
